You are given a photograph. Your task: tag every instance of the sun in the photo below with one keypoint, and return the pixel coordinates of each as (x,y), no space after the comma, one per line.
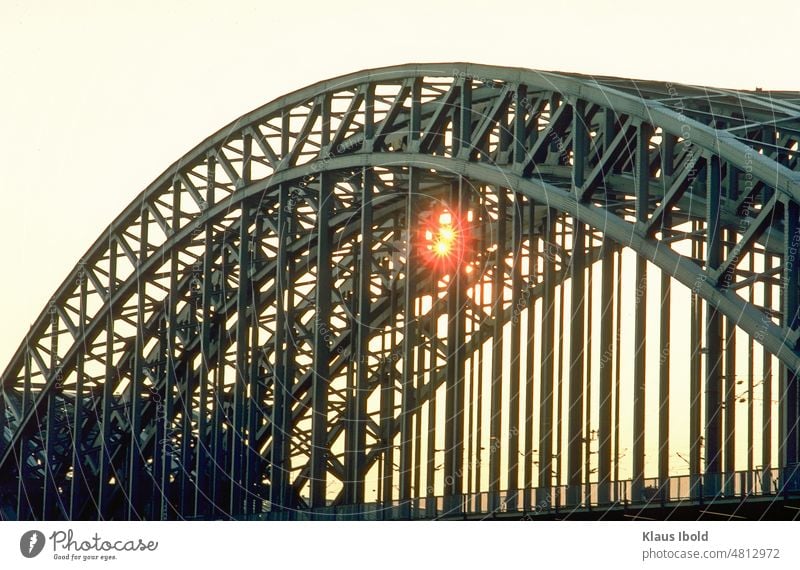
(444,240)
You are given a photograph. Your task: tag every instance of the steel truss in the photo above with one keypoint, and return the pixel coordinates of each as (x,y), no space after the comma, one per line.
(259,333)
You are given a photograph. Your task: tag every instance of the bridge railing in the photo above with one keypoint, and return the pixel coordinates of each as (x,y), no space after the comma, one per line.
(688,489)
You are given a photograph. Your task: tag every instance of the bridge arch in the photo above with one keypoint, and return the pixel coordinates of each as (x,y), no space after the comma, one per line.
(257,331)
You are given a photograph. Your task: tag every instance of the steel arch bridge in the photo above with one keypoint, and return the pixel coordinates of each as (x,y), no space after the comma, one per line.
(433,290)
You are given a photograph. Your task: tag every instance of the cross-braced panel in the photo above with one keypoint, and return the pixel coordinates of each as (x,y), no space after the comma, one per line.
(435,289)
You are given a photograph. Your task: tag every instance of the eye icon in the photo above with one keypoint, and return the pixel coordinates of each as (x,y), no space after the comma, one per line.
(31,543)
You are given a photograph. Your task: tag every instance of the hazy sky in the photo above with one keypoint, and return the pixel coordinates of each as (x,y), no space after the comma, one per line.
(97,100)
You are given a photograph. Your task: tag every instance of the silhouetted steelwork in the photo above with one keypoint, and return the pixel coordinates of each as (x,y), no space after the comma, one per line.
(431,290)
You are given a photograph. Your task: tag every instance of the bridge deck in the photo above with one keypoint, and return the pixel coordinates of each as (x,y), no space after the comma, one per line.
(742,495)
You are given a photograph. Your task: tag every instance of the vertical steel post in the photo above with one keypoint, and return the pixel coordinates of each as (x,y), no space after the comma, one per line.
(407,461)
(283,375)
(518,156)
(240,399)
(729,399)
(559,398)
(408,403)
(171,499)
(111,375)
(255,411)
(608,347)
(667,174)
(159,394)
(790,405)
(617,369)
(416,459)
(203,505)
(322,338)
(575,436)
(516,350)
(322,329)
(220,419)
(530,356)
(695,386)
(496,443)
(588,374)
(731,194)
(642,190)
(454,395)
(50,497)
(547,358)
(136,457)
(482,218)
(356,441)
(457,318)
(23,506)
(387,389)
(188,453)
(249,358)
(766,392)
(167,446)
(183,377)
(751,389)
(664,383)
(415,116)
(79,489)
(713,375)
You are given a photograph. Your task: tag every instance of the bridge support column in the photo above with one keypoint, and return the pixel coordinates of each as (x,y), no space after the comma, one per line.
(496,443)
(80,488)
(713,375)
(135,472)
(454,397)
(521,206)
(49,494)
(172,504)
(161,500)
(545,488)
(667,177)
(253,462)
(767,482)
(790,391)
(608,348)
(516,355)
(111,376)
(407,403)
(577,340)
(356,423)
(238,484)
(575,442)
(529,357)
(663,386)
(283,374)
(642,190)
(203,486)
(321,377)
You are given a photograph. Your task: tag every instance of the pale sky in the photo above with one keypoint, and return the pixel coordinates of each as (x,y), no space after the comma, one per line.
(98,99)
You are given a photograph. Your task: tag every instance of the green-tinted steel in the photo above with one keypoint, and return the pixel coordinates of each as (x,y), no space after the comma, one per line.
(265,330)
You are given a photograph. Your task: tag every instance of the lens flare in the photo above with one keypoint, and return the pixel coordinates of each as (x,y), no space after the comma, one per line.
(444,241)
(447,234)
